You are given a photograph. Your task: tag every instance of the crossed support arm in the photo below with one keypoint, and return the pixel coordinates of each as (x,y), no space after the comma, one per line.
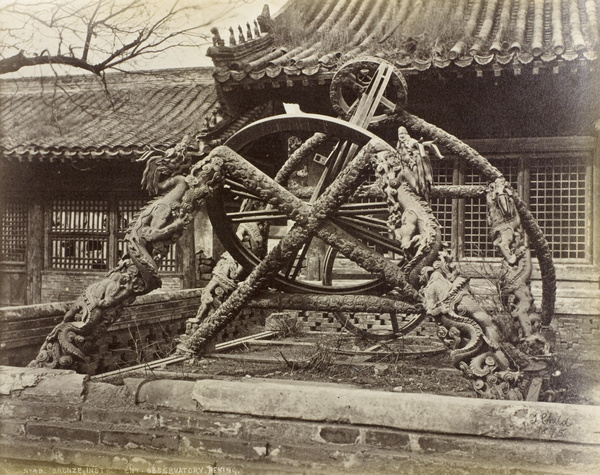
(136,274)
(536,237)
(309,220)
(478,348)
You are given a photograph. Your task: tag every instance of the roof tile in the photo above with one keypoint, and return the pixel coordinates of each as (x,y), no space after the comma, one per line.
(77,116)
(425,34)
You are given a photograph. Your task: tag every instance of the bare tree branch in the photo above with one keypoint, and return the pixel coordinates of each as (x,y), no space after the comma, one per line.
(90,31)
(18,61)
(103,65)
(92,36)
(118,12)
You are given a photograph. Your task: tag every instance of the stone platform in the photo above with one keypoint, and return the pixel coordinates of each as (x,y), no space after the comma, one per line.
(61,422)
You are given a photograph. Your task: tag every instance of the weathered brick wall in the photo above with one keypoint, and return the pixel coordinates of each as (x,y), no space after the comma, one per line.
(577,336)
(145,331)
(147,328)
(326,322)
(248,322)
(63,286)
(577,317)
(171,426)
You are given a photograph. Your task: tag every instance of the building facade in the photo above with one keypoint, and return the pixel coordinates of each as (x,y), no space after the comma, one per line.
(518,80)
(70,175)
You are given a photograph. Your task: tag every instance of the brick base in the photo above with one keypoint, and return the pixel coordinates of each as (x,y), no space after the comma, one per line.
(139,428)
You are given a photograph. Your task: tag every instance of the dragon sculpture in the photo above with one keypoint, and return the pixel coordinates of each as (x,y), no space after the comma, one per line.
(499,353)
(499,360)
(478,346)
(153,230)
(405,178)
(511,241)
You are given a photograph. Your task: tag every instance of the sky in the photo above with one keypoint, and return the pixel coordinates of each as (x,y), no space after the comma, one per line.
(208,13)
(221,14)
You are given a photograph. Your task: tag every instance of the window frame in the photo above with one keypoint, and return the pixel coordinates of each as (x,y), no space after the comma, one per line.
(75,235)
(525,150)
(113,235)
(5,202)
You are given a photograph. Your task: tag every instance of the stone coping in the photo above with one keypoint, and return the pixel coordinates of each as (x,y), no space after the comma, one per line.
(41,310)
(317,402)
(415,412)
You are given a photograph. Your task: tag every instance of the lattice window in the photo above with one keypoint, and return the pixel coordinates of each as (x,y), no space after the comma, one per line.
(13,231)
(443,207)
(477,242)
(83,232)
(126,211)
(558,202)
(78,237)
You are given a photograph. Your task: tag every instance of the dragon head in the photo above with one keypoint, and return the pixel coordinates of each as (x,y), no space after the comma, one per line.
(164,164)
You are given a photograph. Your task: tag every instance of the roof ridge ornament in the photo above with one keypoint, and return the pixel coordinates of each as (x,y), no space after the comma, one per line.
(246,47)
(216,39)
(264,20)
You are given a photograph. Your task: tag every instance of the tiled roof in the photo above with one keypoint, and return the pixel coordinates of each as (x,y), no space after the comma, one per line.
(79,118)
(316,36)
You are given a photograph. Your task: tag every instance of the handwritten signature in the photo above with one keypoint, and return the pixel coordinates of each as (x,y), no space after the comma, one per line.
(550,425)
